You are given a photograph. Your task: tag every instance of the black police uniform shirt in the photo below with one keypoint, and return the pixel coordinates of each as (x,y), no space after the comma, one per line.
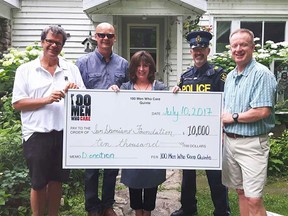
(204,79)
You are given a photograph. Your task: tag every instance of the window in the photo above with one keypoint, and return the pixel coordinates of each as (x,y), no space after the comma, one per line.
(264,30)
(143,38)
(274,31)
(223,32)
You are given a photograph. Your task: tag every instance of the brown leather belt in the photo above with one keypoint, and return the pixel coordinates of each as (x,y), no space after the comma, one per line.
(235,136)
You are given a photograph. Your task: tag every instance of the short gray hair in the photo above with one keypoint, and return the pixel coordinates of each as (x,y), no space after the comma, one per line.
(55,30)
(243,30)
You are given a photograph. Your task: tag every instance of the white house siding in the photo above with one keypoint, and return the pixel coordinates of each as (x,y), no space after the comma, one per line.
(174,60)
(248,7)
(147,7)
(186,56)
(6,8)
(28,22)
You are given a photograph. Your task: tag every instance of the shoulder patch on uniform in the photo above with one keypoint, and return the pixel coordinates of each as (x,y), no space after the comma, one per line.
(223,77)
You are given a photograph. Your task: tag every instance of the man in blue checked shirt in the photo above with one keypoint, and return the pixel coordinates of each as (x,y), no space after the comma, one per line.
(100,70)
(247,118)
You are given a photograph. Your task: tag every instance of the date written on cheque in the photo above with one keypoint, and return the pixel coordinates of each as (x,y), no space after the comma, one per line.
(176,112)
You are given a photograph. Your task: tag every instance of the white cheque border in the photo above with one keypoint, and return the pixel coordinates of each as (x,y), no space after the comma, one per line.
(140,129)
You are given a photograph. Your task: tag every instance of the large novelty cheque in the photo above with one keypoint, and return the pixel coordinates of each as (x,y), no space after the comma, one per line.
(141,129)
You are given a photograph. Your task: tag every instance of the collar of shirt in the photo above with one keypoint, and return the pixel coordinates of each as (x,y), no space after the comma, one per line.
(101,57)
(247,69)
(62,64)
(205,69)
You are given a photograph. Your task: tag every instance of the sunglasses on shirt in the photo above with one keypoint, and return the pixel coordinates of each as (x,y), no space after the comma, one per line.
(102,35)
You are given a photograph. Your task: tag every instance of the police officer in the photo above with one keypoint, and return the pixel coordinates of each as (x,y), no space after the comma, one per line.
(202,77)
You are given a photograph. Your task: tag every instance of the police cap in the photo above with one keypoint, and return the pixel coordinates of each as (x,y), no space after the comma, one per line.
(199,39)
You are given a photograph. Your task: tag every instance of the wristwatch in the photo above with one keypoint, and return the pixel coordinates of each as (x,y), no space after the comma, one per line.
(235,117)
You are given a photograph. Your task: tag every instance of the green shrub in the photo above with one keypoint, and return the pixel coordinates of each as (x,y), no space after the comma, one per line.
(15,192)
(14,180)
(278,158)
(11,61)
(73,187)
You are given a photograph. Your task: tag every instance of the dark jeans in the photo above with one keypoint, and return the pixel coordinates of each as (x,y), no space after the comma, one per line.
(219,193)
(92,201)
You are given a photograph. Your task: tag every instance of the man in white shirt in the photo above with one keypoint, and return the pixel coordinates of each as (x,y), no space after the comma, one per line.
(39,87)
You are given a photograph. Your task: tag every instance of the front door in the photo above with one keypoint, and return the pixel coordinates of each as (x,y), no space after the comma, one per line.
(139,34)
(143,37)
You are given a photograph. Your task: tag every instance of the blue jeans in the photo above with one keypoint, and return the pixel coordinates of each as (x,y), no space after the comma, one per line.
(219,193)
(92,201)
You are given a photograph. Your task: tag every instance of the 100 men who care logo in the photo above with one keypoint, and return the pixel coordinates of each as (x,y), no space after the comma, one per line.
(80,107)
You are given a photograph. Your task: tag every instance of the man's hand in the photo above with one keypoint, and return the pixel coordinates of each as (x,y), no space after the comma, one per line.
(55,96)
(70,86)
(114,88)
(227,118)
(175,89)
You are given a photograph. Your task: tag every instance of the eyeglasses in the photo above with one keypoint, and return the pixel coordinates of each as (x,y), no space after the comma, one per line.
(51,42)
(102,35)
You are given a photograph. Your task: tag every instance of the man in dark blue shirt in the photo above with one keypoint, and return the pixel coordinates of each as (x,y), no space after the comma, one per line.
(100,70)
(202,77)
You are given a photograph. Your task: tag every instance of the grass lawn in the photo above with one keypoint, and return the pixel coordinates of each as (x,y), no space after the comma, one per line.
(275,197)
